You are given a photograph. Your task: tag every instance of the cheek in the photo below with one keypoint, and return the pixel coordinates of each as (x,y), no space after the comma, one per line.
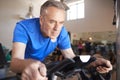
(48,29)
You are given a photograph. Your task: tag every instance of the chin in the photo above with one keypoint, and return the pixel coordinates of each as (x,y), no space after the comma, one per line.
(53,37)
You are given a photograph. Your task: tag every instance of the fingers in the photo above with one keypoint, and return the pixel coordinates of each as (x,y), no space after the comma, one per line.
(101,69)
(106,68)
(39,75)
(35,72)
(103,62)
(42,69)
(110,67)
(32,75)
(25,76)
(103,65)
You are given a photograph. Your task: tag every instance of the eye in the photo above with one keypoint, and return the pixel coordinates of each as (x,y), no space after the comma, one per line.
(51,21)
(62,22)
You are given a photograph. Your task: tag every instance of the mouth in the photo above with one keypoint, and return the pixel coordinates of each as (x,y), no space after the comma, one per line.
(55,33)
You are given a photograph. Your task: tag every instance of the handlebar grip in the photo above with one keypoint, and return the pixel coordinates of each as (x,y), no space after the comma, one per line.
(60,66)
(79,63)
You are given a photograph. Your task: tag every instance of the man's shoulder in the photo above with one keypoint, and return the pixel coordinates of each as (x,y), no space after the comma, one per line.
(29,25)
(29,21)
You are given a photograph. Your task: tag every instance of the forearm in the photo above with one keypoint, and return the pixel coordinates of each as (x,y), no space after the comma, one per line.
(68,53)
(18,65)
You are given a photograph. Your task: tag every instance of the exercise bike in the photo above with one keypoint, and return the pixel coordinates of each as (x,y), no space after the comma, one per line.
(67,68)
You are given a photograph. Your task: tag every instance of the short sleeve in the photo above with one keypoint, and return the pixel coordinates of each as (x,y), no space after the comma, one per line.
(20,34)
(64,40)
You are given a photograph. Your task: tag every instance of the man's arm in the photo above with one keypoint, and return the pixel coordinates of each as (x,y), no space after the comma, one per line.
(30,69)
(18,63)
(68,53)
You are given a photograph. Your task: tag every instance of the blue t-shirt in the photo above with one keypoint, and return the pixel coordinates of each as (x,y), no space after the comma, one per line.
(37,46)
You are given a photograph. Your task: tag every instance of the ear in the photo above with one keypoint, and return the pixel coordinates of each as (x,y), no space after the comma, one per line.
(41,20)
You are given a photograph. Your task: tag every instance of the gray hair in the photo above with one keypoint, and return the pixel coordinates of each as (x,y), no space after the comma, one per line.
(51,3)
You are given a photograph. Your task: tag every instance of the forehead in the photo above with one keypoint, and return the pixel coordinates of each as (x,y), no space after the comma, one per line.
(54,12)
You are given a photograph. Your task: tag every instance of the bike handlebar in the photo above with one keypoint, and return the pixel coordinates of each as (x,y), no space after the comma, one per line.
(60,66)
(69,66)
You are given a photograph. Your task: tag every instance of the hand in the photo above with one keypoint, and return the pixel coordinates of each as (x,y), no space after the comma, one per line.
(35,71)
(103,65)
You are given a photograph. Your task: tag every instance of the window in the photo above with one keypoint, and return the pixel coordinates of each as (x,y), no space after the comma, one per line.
(76,10)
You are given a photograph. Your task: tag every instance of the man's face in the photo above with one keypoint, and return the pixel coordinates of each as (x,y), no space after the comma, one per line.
(52,22)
